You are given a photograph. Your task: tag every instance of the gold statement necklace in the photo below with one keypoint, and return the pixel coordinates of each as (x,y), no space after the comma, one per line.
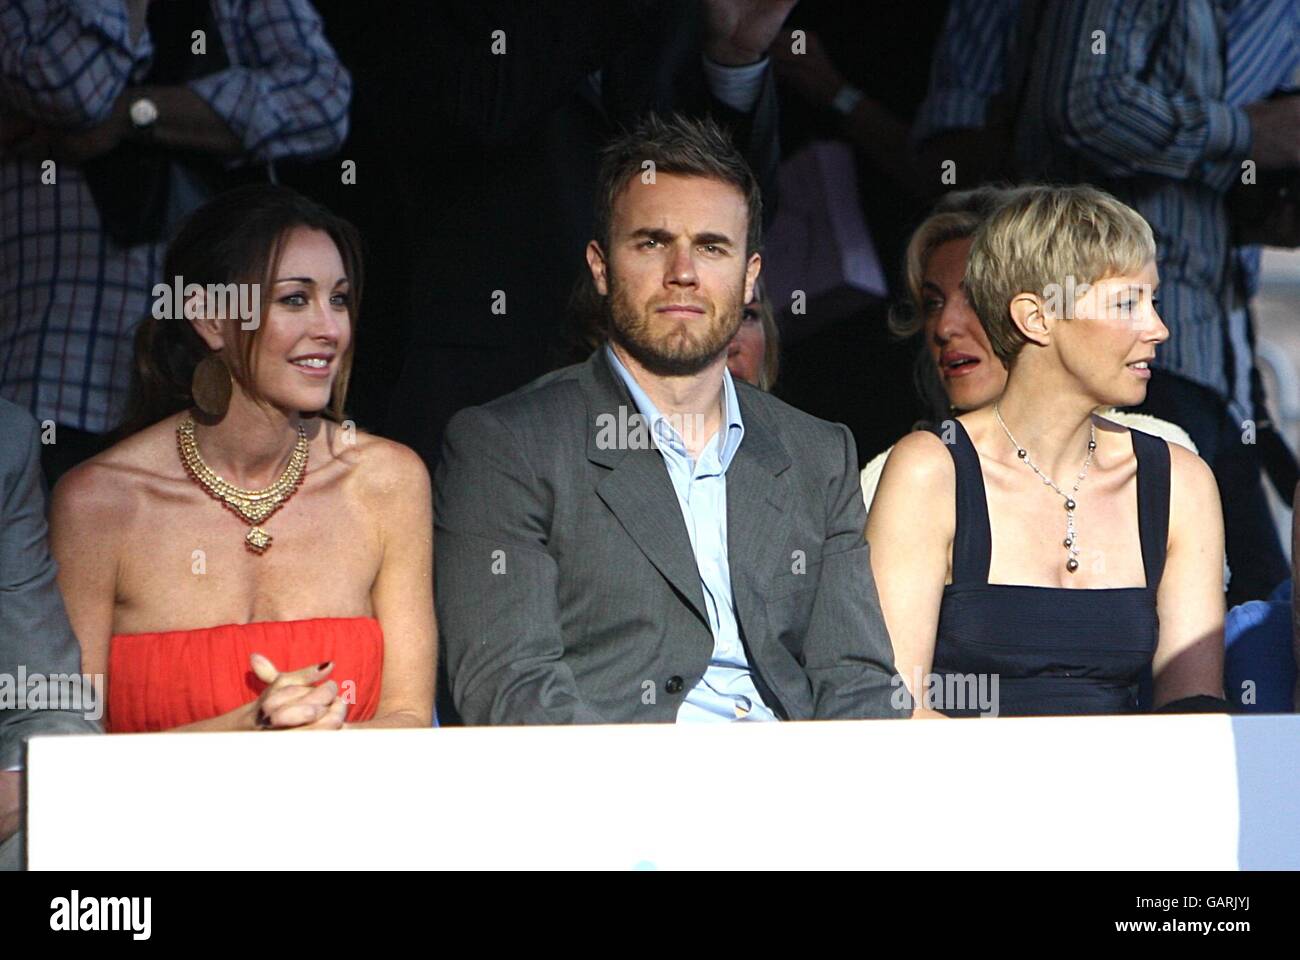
(253,506)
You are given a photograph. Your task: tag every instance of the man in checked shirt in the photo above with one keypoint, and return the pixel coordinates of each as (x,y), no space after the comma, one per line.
(81,79)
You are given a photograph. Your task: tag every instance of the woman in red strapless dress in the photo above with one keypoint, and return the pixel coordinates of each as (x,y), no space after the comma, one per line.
(161,681)
(245,558)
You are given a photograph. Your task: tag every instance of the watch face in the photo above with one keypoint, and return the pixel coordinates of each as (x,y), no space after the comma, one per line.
(144,112)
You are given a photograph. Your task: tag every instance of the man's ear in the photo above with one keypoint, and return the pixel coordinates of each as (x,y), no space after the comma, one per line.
(752,270)
(1029,314)
(596,263)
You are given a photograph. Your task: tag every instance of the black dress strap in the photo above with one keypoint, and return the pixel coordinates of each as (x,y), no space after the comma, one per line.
(972,544)
(1152,454)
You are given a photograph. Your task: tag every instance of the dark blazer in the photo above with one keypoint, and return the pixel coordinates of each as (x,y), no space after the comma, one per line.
(567,590)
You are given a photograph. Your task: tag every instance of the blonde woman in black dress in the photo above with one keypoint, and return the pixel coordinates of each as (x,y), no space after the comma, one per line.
(1059,552)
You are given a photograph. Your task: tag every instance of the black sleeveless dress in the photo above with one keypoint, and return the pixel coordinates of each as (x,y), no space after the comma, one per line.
(1055,650)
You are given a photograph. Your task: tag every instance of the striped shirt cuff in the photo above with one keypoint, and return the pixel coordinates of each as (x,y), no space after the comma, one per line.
(1229,130)
(1228,142)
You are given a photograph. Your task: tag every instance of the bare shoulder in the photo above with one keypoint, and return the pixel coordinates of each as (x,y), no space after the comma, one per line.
(918,483)
(82,497)
(1192,487)
(381,468)
(920,460)
(1188,470)
(106,491)
(918,480)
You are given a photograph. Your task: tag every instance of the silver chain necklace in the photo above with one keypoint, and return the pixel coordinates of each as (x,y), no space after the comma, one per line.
(1071,535)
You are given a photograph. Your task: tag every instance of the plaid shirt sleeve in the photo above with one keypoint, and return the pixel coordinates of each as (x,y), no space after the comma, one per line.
(286,93)
(66,62)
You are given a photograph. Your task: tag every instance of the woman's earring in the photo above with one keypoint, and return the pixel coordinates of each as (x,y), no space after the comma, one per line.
(211,385)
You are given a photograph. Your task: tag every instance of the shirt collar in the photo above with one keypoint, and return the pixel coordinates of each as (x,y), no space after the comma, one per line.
(662,428)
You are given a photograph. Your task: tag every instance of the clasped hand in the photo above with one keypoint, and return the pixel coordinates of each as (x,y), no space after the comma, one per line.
(294,701)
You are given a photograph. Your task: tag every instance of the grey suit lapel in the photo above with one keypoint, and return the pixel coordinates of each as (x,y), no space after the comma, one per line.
(758,515)
(637,489)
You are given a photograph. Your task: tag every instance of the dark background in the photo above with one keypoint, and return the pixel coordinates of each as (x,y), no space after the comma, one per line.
(850,371)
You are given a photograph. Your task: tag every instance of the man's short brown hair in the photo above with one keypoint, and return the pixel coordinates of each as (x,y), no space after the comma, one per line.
(679,145)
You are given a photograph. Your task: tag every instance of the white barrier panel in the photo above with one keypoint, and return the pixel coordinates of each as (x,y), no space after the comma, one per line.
(1203,792)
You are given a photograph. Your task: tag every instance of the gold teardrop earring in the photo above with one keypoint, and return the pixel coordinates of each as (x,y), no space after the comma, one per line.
(211,385)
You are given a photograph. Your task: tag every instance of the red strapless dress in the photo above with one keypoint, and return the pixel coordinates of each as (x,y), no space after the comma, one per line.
(157,681)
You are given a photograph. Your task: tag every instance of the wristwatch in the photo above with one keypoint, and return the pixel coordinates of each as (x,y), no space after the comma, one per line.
(143,113)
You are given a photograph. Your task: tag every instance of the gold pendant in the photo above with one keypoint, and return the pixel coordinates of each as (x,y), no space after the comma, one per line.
(254,506)
(258,539)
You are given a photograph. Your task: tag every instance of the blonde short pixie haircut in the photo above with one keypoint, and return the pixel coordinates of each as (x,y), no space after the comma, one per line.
(1048,238)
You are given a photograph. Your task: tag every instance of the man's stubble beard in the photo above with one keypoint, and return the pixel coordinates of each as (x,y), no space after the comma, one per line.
(630,328)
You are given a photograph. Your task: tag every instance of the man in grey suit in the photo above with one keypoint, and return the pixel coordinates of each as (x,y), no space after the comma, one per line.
(640,538)
(36,640)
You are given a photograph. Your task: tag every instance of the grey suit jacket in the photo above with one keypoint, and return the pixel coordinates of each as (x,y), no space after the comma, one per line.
(567,590)
(34,629)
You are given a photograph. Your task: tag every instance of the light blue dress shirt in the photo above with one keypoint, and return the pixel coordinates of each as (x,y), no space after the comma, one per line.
(726,692)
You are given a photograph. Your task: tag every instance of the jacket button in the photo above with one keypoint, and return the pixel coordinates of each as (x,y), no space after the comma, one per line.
(674,685)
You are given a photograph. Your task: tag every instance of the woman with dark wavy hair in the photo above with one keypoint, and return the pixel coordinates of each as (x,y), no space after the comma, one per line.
(245,558)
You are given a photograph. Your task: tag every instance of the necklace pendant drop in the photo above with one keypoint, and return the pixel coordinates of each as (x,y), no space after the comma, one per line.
(1071,534)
